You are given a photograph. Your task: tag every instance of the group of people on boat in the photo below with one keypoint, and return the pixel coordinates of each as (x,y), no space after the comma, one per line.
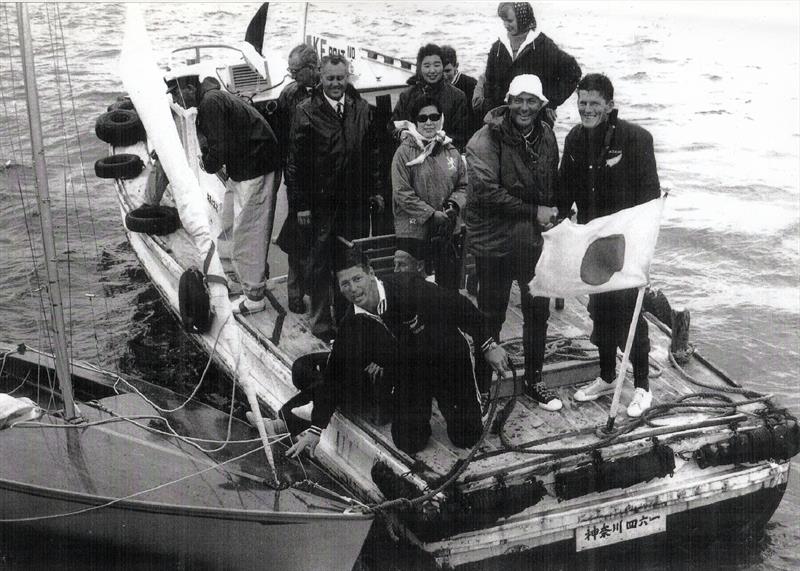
(476,166)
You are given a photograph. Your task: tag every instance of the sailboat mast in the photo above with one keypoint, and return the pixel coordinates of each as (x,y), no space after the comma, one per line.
(45,215)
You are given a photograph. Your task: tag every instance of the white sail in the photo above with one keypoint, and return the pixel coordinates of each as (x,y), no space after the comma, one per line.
(145,86)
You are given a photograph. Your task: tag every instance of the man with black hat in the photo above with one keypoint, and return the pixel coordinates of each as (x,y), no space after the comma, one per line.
(403,332)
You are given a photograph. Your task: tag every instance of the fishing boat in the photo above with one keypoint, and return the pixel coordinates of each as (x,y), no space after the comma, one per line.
(711,458)
(89,456)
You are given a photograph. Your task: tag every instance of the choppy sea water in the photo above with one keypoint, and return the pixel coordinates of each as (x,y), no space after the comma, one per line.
(717,84)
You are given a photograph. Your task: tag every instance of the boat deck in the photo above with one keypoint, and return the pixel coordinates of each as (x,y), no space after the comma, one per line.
(576,424)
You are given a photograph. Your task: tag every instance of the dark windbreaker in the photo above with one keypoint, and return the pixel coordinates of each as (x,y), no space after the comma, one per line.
(237,135)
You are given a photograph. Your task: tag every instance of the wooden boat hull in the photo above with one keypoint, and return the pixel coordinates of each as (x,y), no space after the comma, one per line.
(131,490)
(200,538)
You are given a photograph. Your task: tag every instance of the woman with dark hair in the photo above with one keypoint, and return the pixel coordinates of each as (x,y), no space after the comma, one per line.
(524,49)
(429,189)
(430,82)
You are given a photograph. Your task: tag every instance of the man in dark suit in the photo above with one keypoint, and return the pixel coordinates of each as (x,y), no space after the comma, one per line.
(333,177)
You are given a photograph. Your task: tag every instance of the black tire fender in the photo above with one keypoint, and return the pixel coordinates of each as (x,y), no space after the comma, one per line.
(123,165)
(156,220)
(120,128)
(122,103)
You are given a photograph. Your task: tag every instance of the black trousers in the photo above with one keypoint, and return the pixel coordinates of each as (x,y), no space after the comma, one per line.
(449,377)
(611,314)
(495,275)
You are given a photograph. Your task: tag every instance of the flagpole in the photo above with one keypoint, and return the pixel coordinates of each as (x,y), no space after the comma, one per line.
(612,415)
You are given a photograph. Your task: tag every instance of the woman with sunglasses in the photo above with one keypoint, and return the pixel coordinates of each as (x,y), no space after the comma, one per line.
(429,189)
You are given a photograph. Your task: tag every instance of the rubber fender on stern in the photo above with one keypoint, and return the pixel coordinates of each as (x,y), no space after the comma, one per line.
(120,128)
(123,165)
(156,220)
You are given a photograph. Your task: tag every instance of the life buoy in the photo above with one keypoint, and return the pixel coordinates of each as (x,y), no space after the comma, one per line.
(156,220)
(120,128)
(122,103)
(123,165)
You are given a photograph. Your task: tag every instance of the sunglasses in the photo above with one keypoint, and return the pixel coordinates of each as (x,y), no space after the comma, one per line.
(432,117)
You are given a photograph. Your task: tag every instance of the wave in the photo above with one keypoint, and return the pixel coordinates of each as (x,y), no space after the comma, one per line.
(713,112)
(636,76)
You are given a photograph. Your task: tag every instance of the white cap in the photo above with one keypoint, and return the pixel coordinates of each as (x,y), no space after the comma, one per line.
(527,83)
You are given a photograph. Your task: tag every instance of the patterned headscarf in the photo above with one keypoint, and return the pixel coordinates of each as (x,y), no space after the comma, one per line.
(523,11)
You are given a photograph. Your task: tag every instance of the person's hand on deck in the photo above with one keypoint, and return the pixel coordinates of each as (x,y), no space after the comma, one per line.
(304,218)
(497,358)
(307,439)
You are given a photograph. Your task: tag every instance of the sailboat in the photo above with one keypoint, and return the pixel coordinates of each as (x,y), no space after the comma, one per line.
(140,469)
(714,461)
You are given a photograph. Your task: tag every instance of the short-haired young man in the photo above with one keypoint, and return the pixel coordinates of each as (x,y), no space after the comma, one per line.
(609,165)
(407,333)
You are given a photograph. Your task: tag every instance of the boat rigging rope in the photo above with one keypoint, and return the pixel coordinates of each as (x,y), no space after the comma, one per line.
(131,496)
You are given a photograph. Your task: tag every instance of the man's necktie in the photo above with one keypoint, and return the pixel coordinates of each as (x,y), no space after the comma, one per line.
(339,110)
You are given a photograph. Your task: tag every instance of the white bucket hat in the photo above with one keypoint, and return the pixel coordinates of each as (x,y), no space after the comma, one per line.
(527,83)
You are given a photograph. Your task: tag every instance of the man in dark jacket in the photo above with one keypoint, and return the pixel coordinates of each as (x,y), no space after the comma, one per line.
(293,239)
(404,333)
(332,177)
(537,54)
(512,170)
(466,84)
(239,138)
(609,165)
(430,82)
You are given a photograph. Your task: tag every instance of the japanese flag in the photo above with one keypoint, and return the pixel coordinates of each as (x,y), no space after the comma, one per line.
(609,253)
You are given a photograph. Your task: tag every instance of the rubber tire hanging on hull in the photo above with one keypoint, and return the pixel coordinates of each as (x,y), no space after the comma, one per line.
(155,220)
(122,103)
(123,165)
(120,128)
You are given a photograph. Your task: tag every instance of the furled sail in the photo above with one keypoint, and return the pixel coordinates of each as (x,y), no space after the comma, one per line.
(146,88)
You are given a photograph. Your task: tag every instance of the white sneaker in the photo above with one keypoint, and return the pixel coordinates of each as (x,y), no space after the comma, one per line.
(640,402)
(593,391)
(245,306)
(273,427)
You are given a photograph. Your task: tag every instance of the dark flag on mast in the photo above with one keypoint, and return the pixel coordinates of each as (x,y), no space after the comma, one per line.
(255,29)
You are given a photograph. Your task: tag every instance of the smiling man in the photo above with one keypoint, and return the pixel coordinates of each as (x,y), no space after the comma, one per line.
(405,335)
(512,170)
(333,176)
(609,165)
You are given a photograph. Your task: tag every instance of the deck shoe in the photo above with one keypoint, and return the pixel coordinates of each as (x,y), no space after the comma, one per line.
(273,427)
(545,396)
(245,306)
(641,401)
(596,389)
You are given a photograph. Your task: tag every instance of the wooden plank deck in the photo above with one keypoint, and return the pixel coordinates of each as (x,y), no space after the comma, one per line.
(574,425)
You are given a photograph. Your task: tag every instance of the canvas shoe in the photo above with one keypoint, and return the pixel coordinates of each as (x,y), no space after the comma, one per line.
(545,396)
(273,427)
(245,306)
(640,402)
(593,391)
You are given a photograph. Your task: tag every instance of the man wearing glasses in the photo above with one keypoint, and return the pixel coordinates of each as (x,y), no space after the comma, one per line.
(294,239)
(512,165)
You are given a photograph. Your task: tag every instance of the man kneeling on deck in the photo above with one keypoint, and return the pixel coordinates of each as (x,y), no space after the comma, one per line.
(405,333)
